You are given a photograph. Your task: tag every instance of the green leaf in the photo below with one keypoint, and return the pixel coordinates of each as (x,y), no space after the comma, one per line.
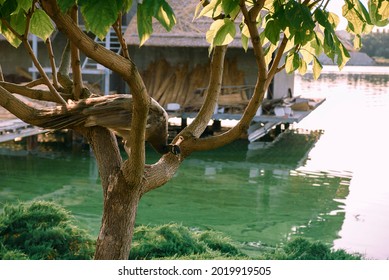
(317,43)
(229,6)
(148,9)
(18,21)
(343,56)
(379,12)
(213,9)
(317,67)
(302,67)
(245,42)
(333,19)
(384,9)
(165,16)
(145,24)
(329,44)
(357,42)
(25,5)
(9,36)
(357,16)
(8,7)
(99,15)
(65,5)
(292,62)
(272,31)
(41,25)
(127,4)
(269,53)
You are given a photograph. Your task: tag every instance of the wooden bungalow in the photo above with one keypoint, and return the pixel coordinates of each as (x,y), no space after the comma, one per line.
(175,67)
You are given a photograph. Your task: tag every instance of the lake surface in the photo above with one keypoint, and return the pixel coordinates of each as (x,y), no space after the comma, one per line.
(325,179)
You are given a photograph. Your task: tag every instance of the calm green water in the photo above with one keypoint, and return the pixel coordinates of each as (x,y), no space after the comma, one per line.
(325,179)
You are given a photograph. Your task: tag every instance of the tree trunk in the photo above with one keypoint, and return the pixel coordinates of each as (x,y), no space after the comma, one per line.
(120,207)
(120,199)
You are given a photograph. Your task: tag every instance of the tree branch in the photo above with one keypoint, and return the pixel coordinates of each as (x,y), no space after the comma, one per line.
(37,94)
(64,69)
(256,99)
(34,59)
(75,60)
(160,173)
(274,68)
(43,73)
(52,63)
(17,107)
(117,26)
(1,75)
(197,127)
(35,83)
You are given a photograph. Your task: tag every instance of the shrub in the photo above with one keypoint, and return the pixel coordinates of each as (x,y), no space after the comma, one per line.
(173,241)
(303,249)
(42,230)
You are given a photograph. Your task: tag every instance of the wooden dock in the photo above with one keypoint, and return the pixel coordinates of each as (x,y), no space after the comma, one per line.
(11,129)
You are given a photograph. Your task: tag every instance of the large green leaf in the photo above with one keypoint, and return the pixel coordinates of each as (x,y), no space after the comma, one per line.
(229,6)
(272,31)
(65,5)
(41,25)
(221,32)
(99,15)
(379,12)
(165,16)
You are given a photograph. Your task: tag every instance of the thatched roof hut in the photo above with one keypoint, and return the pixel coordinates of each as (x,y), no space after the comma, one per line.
(175,64)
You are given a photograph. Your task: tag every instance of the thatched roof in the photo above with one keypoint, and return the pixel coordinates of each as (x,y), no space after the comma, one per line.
(187,32)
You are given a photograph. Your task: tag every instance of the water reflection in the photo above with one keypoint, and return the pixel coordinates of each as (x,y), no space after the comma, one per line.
(254,195)
(355,139)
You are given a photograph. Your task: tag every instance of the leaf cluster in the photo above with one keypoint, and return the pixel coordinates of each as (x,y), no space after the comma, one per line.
(308,27)
(98,16)
(23,17)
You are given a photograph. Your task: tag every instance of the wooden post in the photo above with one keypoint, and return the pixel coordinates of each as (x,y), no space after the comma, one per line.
(32,142)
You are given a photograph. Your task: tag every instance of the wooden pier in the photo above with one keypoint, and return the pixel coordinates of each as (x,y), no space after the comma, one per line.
(11,129)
